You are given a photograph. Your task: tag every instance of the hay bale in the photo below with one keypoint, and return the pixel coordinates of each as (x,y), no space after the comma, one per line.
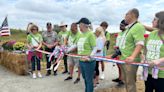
(14,62)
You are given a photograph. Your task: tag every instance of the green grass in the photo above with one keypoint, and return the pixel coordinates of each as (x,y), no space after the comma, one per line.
(17,35)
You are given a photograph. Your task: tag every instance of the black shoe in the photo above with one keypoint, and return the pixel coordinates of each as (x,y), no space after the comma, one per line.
(116,80)
(120,84)
(55,73)
(48,73)
(77,80)
(64,72)
(68,78)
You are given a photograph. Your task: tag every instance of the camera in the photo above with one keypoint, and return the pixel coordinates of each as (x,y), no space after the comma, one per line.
(117,52)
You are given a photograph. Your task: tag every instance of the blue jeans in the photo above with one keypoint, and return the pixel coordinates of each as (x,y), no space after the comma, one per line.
(87,70)
(35,61)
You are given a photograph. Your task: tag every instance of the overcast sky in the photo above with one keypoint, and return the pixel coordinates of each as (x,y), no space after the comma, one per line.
(21,12)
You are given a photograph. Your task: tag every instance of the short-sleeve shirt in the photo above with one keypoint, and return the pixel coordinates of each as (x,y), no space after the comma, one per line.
(129,39)
(107,35)
(72,38)
(100,46)
(86,43)
(155,50)
(34,39)
(62,35)
(119,39)
(50,37)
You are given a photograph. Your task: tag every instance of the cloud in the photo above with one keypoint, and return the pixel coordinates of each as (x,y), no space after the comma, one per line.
(21,12)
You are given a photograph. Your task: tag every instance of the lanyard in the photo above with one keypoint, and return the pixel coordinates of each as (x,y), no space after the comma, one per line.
(125,34)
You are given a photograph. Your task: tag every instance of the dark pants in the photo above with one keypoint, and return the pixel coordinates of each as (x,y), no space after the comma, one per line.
(47,60)
(65,62)
(97,69)
(107,45)
(87,70)
(36,60)
(154,84)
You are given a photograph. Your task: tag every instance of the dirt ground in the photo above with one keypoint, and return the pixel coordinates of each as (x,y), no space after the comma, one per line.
(10,82)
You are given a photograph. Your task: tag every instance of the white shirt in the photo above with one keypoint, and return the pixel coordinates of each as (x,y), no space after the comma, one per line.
(100,46)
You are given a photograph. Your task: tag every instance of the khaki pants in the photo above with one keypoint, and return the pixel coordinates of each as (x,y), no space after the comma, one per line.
(122,72)
(129,77)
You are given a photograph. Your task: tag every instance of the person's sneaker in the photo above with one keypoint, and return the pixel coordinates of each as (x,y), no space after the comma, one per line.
(102,76)
(116,80)
(120,84)
(39,75)
(68,78)
(77,80)
(34,76)
(55,73)
(64,72)
(48,73)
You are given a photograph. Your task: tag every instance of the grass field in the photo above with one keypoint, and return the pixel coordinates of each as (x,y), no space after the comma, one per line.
(17,35)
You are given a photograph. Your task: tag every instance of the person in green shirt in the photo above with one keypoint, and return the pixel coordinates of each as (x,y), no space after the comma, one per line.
(71,40)
(117,53)
(34,41)
(62,36)
(155,55)
(86,46)
(131,44)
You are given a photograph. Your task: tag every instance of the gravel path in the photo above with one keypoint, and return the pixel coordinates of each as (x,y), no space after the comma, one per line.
(10,82)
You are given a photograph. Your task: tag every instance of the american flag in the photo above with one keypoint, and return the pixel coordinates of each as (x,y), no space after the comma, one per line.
(4,29)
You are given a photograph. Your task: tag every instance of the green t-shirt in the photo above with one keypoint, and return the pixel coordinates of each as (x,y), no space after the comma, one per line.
(62,35)
(107,35)
(119,39)
(129,39)
(34,39)
(86,43)
(72,38)
(155,50)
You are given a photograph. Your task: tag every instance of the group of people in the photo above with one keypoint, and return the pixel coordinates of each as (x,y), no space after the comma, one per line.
(130,46)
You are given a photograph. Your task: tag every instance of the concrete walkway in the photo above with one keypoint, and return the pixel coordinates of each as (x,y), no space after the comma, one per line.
(9,82)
